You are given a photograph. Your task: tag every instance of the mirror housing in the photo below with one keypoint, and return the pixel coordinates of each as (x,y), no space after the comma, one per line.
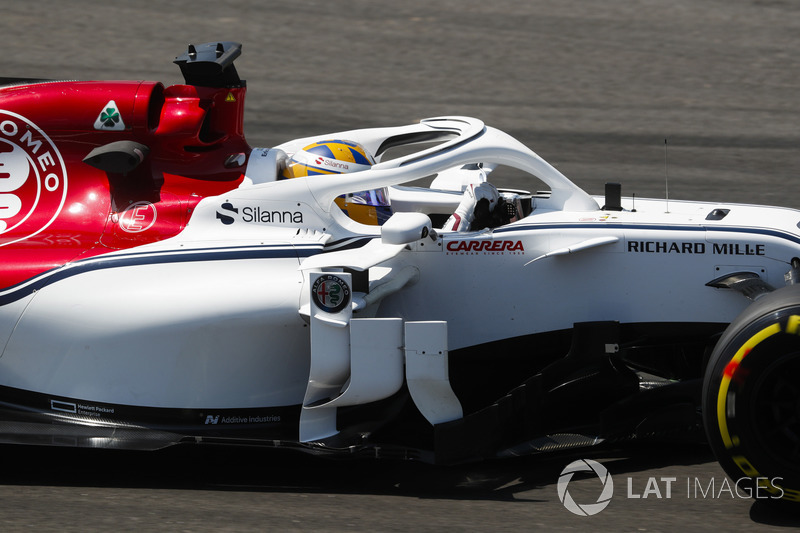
(404,228)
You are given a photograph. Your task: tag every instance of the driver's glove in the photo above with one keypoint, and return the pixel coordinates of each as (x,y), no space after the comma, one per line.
(464,215)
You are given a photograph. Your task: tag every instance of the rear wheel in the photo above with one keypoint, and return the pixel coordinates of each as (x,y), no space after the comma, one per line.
(751,398)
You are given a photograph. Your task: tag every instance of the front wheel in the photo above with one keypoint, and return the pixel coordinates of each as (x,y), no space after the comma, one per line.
(751,398)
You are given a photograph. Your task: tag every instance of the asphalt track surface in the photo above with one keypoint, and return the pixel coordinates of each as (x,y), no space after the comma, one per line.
(595,88)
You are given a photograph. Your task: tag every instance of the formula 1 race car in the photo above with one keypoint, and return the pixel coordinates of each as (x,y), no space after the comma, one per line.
(370,291)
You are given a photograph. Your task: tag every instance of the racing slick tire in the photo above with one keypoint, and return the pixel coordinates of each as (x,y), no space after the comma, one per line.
(751,398)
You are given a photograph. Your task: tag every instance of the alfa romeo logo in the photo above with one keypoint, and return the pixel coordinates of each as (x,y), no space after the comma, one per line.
(33,179)
(330,293)
(588,509)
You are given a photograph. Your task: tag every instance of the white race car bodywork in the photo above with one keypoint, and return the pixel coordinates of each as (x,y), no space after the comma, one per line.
(220,317)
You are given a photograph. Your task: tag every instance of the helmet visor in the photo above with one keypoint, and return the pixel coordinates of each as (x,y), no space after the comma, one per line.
(376,197)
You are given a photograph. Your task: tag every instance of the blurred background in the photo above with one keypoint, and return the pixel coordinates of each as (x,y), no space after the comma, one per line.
(594,87)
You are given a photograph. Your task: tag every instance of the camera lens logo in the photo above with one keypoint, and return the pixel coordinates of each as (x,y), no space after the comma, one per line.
(585,465)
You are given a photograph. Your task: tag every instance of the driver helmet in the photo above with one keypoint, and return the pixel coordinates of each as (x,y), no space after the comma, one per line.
(339,157)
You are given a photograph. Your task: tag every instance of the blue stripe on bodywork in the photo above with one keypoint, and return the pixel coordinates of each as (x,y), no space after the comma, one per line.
(25,288)
(21,290)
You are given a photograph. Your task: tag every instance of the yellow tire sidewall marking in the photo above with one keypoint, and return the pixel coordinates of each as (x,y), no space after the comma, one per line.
(724,385)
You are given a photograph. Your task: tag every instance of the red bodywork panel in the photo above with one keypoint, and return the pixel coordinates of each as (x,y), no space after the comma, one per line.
(55,208)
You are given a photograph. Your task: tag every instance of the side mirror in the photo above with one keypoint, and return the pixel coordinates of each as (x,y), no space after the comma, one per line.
(403,228)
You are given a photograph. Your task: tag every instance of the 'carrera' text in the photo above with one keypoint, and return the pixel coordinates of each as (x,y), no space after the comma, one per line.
(485,247)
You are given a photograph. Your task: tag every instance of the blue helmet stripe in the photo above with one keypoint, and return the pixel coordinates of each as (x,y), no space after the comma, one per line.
(321,149)
(359,158)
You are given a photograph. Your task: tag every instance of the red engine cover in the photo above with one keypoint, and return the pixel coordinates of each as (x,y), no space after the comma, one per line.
(55,208)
